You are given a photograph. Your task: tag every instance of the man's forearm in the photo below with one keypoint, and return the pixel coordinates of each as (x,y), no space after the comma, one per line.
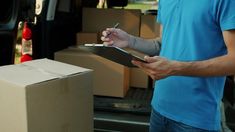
(219,66)
(151,47)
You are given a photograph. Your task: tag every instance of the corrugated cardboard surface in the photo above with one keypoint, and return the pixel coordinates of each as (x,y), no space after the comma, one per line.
(84,38)
(110,78)
(97,20)
(149,27)
(61,102)
(138,78)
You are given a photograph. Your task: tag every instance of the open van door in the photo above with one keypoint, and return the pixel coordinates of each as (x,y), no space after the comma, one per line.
(11,12)
(56,27)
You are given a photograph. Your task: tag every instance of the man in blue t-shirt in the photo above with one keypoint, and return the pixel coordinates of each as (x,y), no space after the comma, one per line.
(190,61)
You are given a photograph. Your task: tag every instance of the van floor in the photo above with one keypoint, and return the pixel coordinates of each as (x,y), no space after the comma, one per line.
(128,114)
(137,100)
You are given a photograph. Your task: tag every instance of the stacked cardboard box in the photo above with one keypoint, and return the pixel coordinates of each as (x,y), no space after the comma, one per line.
(94,21)
(149,27)
(138,78)
(97,20)
(45,96)
(86,38)
(110,78)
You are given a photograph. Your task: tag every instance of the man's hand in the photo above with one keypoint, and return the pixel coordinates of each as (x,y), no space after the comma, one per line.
(157,67)
(115,37)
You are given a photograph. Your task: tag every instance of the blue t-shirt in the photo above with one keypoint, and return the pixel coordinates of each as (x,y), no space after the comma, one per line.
(192,31)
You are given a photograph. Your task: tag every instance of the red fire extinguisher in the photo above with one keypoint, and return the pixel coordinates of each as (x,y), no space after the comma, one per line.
(26,50)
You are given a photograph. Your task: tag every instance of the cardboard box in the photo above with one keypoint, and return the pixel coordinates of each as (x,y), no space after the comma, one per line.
(97,20)
(138,78)
(149,27)
(110,78)
(45,96)
(83,38)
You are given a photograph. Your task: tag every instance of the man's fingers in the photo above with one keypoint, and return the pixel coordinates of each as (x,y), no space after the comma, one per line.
(151,59)
(109,43)
(137,63)
(141,64)
(105,33)
(109,31)
(144,67)
(105,39)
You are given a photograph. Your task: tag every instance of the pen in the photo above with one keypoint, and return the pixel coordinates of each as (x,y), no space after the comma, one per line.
(115,26)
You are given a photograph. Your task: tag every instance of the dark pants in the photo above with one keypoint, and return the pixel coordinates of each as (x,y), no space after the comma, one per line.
(159,123)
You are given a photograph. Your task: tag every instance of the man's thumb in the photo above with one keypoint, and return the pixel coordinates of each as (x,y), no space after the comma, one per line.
(150,59)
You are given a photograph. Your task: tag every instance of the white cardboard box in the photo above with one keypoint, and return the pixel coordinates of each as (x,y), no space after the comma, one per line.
(45,96)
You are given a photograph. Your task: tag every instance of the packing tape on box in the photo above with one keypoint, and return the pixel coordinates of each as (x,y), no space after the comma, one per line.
(63,78)
(46,72)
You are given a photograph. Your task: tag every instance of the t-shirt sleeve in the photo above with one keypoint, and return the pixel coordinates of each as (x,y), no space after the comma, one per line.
(159,12)
(226,14)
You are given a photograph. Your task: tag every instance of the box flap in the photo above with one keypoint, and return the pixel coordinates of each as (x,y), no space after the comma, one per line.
(37,71)
(56,67)
(23,75)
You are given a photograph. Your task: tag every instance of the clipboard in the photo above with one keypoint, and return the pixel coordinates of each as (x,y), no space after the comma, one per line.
(112,53)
